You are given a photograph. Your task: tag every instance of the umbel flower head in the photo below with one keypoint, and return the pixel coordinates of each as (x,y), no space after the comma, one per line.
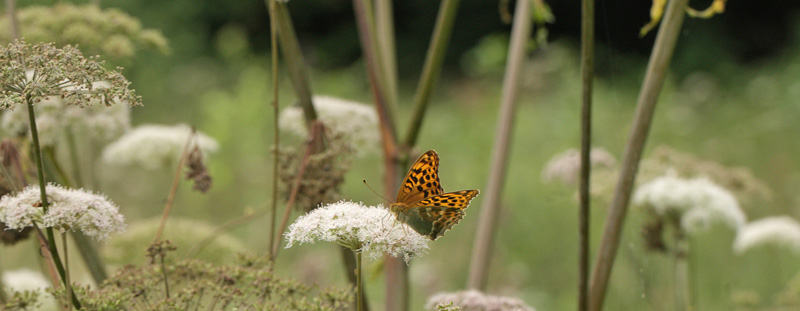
(473,300)
(366,229)
(694,203)
(32,72)
(779,231)
(109,32)
(566,166)
(357,123)
(54,118)
(153,146)
(69,209)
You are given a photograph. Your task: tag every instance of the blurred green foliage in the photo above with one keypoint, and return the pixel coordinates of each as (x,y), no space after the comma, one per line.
(218,79)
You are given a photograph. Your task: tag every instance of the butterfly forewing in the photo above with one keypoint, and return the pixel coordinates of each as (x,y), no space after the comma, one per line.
(422,180)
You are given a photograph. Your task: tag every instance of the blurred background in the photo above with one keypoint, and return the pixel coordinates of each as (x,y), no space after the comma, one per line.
(732,97)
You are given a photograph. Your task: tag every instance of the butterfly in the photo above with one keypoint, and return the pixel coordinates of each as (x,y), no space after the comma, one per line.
(423,205)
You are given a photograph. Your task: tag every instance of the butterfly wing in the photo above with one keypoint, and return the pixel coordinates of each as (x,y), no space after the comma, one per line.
(434,215)
(422,180)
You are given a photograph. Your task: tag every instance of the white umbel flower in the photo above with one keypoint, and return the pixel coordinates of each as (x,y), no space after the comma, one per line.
(54,117)
(356,122)
(366,229)
(69,209)
(696,202)
(154,146)
(473,300)
(565,167)
(779,231)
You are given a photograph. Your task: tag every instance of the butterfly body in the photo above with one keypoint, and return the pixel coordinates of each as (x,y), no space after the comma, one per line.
(423,205)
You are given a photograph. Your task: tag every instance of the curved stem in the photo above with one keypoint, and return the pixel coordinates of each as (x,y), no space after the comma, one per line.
(432,67)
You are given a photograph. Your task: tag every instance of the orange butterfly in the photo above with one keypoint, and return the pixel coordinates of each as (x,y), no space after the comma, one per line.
(422,203)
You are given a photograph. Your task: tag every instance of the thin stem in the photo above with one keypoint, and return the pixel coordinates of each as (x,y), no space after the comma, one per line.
(315,128)
(66,263)
(51,157)
(3,296)
(37,156)
(276,130)
(164,273)
(295,65)
(651,87)
(175,181)
(233,223)
(350,265)
(384,27)
(74,158)
(680,271)
(359,286)
(587,73)
(482,247)
(432,67)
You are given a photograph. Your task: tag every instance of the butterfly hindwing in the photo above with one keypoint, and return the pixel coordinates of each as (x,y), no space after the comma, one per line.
(422,180)
(456,199)
(432,221)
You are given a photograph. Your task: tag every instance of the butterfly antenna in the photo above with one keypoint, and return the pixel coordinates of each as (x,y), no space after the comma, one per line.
(373,190)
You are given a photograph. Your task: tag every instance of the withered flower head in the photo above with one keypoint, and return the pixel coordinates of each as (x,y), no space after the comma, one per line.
(197,171)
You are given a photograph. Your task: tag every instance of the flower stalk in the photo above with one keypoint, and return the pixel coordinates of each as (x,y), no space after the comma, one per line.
(481,250)
(359,285)
(665,43)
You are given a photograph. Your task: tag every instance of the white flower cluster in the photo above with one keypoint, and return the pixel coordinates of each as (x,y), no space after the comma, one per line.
(356,122)
(565,167)
(28,280)
(778,231)
(696,202)
(473,300)
(366,229)
(54,117)
(69,209)
(154,146)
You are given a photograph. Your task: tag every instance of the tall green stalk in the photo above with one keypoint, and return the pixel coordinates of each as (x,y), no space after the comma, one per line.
(490,206)
(433,66)
(295,65)
(273,36)
(587,74)
(359,285)
(663,49)
(37,156)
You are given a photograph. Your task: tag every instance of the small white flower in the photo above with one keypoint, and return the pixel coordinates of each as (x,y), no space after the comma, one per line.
(696,202)
(154,146)
(565,167)
(54,117)
(357,122)
(69,209)
(473,300)
(779,231)
(366,229)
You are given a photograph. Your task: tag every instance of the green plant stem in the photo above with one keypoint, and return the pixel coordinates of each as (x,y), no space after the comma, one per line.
(3,296)
(384,27)
(651,87)
(37,156)
(273,35)
(680,271)
(351,265)
(433,66)
(587,74)
(359,286)
(490,206)
(365,19)
(66,264)
(51,156)
(73,157)
(295,65)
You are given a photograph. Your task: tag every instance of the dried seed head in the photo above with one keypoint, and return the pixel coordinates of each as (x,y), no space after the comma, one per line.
(197,171)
